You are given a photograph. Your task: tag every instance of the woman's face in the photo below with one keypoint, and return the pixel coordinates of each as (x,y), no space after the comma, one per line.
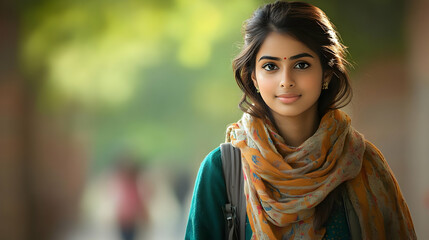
(289,76)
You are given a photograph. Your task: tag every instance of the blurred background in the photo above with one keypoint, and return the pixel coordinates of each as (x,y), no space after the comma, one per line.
(107,107)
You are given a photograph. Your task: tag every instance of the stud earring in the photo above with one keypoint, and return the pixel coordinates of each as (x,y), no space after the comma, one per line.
(325,85)
(257,90)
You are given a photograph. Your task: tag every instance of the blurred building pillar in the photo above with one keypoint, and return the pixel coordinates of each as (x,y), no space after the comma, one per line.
(13,111)
(58,172)
(42,157)
(418,65)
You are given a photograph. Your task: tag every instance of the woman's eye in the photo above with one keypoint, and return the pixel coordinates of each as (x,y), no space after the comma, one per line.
(302,65)
(269,67)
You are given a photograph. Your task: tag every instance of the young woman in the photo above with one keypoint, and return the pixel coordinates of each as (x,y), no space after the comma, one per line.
(302,160)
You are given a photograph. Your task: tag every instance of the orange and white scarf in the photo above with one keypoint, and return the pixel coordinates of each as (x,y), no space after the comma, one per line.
(283,185)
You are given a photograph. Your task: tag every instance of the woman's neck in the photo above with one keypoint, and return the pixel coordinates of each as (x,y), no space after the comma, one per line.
(296,130)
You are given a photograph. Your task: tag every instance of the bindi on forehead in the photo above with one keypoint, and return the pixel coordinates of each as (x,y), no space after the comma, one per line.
(285,58)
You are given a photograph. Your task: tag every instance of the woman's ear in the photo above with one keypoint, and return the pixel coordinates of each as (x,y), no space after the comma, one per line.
(255,83)
(327,75)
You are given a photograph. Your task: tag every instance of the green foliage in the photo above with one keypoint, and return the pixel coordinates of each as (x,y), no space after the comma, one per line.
(155,76)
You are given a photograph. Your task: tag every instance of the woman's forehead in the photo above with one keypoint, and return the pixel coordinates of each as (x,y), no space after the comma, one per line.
(282,46)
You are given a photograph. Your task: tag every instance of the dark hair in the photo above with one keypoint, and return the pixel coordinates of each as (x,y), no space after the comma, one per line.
(312,27)
(307,24)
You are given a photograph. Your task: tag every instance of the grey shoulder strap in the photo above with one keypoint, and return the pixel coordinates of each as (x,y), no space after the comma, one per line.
(233,173)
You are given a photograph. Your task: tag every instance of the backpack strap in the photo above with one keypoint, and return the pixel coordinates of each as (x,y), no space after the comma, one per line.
(235,209)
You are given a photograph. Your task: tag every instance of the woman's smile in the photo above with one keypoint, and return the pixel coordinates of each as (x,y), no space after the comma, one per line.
(288,98)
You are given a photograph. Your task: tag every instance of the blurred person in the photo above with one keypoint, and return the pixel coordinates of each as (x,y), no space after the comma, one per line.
(181,187)
(308,174)
(131,211)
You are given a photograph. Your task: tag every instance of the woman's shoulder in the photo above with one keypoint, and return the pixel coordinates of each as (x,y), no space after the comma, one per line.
(374,157)
(212,161)
(379,191)
(376,167)
(214,156)
(374,161)
(372,151)
(211,171)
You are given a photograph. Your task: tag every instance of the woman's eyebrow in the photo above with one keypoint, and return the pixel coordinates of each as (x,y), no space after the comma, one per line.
(270,58)
(300,56)
(290,58)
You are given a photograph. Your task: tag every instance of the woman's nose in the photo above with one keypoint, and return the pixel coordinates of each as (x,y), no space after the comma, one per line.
(287,80)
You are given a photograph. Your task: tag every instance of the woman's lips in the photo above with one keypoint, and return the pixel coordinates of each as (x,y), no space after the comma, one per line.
(288,97)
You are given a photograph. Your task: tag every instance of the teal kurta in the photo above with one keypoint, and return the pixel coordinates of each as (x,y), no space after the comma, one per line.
(206,220)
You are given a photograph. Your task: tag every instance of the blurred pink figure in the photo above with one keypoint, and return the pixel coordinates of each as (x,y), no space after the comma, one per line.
(130,208)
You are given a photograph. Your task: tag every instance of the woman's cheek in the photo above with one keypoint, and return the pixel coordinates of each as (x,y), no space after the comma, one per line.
(266,81)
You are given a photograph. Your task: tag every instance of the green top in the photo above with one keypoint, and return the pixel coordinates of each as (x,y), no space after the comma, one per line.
(206,220)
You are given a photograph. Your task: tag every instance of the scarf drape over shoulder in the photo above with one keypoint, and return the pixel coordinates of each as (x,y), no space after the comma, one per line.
(283,185)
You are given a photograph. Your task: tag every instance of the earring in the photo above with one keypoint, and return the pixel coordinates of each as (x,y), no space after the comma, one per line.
(325,85)
(257,90)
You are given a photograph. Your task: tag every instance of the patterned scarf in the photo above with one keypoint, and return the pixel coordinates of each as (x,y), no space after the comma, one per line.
(283,185)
